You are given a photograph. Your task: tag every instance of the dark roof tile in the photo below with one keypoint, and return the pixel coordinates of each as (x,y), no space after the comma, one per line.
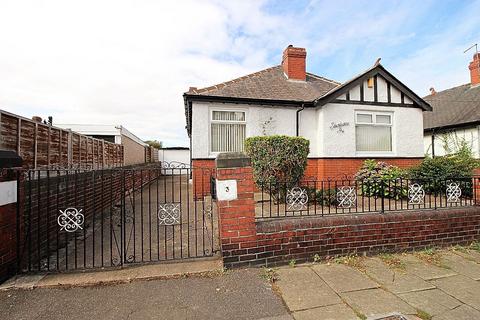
(271,84)
(455,106)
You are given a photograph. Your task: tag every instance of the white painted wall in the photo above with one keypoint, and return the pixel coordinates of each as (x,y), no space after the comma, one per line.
(282,122)
(407,131)
(453,137)
(315,125)
(171,155)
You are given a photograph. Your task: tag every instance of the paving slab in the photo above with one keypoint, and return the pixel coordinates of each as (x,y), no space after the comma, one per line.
(334,312)
(426,271)
(469,254)
(463,312)
(396,281)
(302,288)
(462,288)
(435,302)
(462,265)
(342,278)
(374,302)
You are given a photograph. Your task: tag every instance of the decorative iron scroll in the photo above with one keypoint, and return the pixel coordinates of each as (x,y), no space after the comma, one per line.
(297,199)
(346,196)
(70,219)
(416,194)
(169,214)
(453,192)
(175,165)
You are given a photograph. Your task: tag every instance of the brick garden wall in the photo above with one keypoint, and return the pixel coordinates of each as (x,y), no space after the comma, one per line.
(247,242)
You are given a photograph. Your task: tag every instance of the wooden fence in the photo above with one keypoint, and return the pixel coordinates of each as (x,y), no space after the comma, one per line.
(45,146)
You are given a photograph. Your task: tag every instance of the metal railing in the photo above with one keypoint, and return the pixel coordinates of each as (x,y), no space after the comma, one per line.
(348,196)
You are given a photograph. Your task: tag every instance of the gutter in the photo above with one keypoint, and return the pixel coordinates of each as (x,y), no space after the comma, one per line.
(297,118)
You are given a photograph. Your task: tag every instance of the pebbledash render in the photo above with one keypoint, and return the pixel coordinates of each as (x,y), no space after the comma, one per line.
(371,116)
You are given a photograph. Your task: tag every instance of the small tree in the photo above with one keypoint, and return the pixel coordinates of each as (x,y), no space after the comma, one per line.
(154,143)
(278,161)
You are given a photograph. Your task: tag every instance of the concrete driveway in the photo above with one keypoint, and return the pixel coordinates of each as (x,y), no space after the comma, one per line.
(439,285)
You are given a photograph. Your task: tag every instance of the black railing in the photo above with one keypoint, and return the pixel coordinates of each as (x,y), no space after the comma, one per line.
(343,196)
(83,219)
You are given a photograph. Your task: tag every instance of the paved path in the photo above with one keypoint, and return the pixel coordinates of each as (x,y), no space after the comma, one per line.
(438,285)
(240,294)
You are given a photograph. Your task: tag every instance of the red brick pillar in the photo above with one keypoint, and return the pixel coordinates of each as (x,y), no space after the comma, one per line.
(236,210)
(8,213)
(476,187)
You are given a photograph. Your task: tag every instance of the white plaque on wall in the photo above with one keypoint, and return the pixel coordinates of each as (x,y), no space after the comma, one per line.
(226,190)
(8,192)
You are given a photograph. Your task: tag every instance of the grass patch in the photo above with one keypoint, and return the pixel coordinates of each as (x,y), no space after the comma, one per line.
(475,246)
(431,256)
(353,261)
(269,274)
(292,263)
(423,315)
(459,248)
(392,261)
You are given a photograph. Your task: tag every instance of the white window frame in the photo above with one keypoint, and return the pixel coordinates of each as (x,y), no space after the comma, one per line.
(373,123)
(210,121)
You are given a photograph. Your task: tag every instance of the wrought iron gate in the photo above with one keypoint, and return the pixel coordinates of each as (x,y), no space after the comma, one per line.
(82,219)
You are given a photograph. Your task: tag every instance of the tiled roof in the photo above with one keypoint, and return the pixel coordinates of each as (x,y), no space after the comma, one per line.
(270,84)
(455,106)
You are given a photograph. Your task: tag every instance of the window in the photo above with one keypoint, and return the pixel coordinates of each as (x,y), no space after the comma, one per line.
(373,131)
(227,131)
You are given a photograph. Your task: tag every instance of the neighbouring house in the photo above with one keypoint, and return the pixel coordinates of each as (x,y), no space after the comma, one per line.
(456,116)
(174,155)
(373,115)
(135,150)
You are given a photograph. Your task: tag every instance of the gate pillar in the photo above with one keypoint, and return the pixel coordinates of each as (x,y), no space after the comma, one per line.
(9,204)
(236,208)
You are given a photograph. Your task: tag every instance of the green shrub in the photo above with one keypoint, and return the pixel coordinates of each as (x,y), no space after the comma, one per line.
(437,172)
(324,197)
(278,161)
(379,179)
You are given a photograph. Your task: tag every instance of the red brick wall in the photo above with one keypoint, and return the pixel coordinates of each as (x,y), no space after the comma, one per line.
(202,170)
(325,168)
(8,234)
(246,242)
(237,217)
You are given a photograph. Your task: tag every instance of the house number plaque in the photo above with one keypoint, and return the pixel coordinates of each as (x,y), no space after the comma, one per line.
(226,190)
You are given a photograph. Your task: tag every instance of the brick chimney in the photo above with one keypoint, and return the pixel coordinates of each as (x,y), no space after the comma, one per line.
(475,69)
(293,63)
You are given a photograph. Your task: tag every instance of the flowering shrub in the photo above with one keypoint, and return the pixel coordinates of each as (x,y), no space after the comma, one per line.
(379,179)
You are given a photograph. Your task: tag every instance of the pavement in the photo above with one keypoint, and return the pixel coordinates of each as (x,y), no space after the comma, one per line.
(239,294)
(427,285)
(431,284)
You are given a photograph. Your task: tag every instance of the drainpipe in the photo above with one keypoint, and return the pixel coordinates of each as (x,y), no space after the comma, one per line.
(298,115)
(433,143)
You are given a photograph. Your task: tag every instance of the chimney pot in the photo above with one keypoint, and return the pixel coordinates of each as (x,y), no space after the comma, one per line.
(432,91)
(474,67)
(293,63)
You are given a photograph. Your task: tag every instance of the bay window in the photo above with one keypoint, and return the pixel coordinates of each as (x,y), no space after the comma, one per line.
(373,131)
(227,130)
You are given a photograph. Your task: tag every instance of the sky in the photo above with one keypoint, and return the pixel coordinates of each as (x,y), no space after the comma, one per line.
(129,62)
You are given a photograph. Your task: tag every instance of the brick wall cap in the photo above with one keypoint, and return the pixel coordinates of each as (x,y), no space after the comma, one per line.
(232,160)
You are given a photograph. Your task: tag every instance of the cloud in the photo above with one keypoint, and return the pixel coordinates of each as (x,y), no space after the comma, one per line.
(128,62)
